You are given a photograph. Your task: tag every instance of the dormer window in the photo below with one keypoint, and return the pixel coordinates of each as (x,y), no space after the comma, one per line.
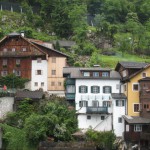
(105,74)
(95,74)
(124,73)
(144,75)
(86,74)
(13,49)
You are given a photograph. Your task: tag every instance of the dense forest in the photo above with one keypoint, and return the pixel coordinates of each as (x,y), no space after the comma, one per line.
(122,25)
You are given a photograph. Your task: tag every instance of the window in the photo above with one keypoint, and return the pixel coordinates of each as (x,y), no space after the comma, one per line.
(13,49)
(105,74)
(83,103)
(18,73)
(95,103)
(146,106)
(83,89)
(144,75)
(53,72)
(95,74)
(17,61)
(3,73)
(107,89)
(86,74)
(119,120)
(35,83)
(52,83)
(88,117)
(4,62)
(135,87)
(124,73)
(42,83)
(106,103)
(5,50)
(137,128)
(95,89)
(137,107)
(38,72)
(24,49)
(59,83)
(125,87)
(102,117)
(39,60)
(120,103)
(70,89)
(53,59)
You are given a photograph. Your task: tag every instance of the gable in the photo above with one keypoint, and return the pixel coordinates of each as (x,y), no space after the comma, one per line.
(13,46)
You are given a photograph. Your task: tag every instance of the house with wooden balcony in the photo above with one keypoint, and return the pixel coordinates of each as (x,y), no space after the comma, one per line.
(136,86)
(31,59)
(94,94)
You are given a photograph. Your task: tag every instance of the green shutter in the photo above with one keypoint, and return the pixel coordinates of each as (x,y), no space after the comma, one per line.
(98,89)
(110,89)
(86,89)
(79,89)
(91,89)
(103,89)
(122,102)
(116,102)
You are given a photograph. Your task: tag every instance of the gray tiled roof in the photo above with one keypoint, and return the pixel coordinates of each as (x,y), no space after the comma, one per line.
(118,95)
(127,64)
(29,94)
(75,72)
(145,79)
(136,120)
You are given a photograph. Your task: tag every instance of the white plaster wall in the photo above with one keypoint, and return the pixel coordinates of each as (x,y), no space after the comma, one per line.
(92,96)
(6,105)
(118,111)
(95,122)
(39,78)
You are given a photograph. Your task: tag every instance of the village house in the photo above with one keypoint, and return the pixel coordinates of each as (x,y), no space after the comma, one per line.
(95,92)
(34,60)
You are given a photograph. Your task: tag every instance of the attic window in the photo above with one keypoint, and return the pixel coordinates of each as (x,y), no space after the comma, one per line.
(24,49)
(86,74)
(144,75)
(105,74)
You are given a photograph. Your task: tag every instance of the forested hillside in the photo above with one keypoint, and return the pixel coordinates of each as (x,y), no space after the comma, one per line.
(115,27)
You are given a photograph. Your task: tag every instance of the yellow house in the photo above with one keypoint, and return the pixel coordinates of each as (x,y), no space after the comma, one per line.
(131,73)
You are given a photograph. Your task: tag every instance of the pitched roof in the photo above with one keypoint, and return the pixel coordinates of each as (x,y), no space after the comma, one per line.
(76,72)
(136,120)
(118,96)
(145,79)
(133,65)
(29,94)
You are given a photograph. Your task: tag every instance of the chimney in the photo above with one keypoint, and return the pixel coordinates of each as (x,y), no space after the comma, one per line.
(22,33)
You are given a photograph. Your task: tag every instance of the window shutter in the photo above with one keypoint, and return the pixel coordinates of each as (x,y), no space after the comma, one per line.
(79,89)
(116,102)
(122,102)
(98,89)
(110,89)
(86,103)
(80,104)
(104,89)
(91,89)
(86,88)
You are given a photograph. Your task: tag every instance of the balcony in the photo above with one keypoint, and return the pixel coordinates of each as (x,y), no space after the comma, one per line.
(70,82)
(17,54)
(145,136)
(132,136)
(97,110)
(70,96)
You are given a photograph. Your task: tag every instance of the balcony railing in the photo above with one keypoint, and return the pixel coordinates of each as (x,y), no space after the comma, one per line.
(17,53)
(145,136)
(97,110)
(70,96)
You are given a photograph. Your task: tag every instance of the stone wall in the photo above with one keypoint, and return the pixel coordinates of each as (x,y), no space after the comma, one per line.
(66,146)
(6,105)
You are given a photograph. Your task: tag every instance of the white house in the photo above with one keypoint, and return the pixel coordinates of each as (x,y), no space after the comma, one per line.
(93,97)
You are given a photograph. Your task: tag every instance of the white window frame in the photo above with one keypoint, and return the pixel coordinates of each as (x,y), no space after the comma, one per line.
(95,74)
(137,128)
(83,89)
(17,61)
(120,103)
(133,87)
(18,73)
(24,49)
(4,73)
(105,74)
(139,109)
(106,103)
(86,74)
(143,75)
(36,84)
(95,89)
(70,89)
(83,103)
(39,72)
